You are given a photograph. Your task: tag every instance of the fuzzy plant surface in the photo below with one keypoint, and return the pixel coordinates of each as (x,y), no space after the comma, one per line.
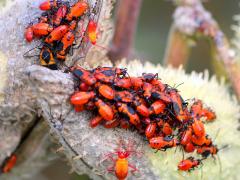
(29,91)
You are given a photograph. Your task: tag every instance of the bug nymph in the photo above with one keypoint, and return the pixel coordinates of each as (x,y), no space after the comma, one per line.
(121,164)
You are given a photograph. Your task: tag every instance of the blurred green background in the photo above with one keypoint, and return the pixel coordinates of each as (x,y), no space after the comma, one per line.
(151,38)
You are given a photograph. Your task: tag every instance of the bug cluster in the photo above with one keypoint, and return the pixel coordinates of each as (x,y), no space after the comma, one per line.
(57,29)
(156,110)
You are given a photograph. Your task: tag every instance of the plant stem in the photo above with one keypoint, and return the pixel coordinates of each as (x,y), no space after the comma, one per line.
(177,51)
(126,22)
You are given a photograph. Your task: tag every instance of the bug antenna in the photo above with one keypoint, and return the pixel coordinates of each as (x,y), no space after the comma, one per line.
(25,55)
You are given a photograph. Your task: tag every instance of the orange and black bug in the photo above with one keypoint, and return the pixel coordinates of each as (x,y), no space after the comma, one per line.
(104,109)
(167,129)
(106,91)
(178,105)
(79,108)
(147,90)
(141,108)
(148,77)
(95,121)
(47,58)
(163,143)
(84,87)
(57,34)
(199,141)
(111,124)
(198,128)
(123,83)
(136,82)
(64,45)
(84,75)
(29,34)
(186,136)
(9,163)
(129,112)
(77,10)
(157,107)
(188,164)
(161,96)
(108,74)
(124,96)
(208,114)
(189,147)
(60,14)
(158,85)
(49,4)
(196,108)
(150,130)
(41,29)
(205,151)
(81,98)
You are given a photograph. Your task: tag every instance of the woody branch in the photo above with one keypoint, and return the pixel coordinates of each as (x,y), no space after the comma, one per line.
(125,27)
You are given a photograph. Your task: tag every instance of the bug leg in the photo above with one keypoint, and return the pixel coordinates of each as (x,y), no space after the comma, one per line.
(133,168)
(110,168)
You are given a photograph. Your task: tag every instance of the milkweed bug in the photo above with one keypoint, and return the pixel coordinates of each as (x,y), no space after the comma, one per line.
(47,59)
(111,124)
(186,137)
(198,140)
(29,34)
(147,88)
(84,75)
(161,96)
(124,124)
(49,4)
(95,121)
(148,77)
(198,128)
(205,151)
(60,14)
(64,45)
(77,10)
(57,34)
(81,97)
(41,29)
(124,96)
(92,32)
(178,105)
(157,107)
(188,164)
(9,163)
(141,108)
(129,112)
(166,129)
(136,82)
(123,83)
(104,109)
(150,130)
(106,91)
(121,165)
(162,143)
(189,147)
